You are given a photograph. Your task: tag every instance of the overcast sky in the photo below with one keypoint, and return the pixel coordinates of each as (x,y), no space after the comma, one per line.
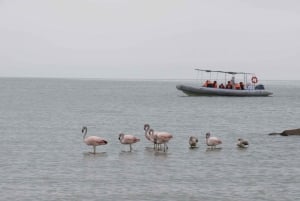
(149,39)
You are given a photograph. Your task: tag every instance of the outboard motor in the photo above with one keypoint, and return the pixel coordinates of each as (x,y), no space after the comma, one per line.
(259,87)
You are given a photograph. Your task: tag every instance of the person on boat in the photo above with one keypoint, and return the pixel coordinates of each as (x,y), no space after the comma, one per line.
(249,86)
(205,83)
(242,86)
(209,84)
(237,86)
(215,85)
(221,86)
(228,85)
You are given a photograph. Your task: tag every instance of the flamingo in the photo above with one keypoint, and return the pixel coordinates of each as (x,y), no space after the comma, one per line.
(242,143)
(193,141)
(92,140)
(146,129)
(161,138)
(212,141)
(148,136)
(128,139)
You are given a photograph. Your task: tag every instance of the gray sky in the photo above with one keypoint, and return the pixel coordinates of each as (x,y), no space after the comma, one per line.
(152,39)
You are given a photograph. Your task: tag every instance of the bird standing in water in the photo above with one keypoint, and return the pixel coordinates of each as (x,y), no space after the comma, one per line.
(148,136)
(212,142)
(92,140)
(160,138)
(242,143)
(193,141)
(128,139)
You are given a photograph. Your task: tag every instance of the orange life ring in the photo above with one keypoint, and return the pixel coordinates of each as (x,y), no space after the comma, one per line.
(254,80)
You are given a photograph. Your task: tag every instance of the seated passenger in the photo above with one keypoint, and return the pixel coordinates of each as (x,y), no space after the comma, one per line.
(249,86)
(215,85)
(242,86)
(228,85)
(221,86)
(205,83)
(209,84)
(237,86)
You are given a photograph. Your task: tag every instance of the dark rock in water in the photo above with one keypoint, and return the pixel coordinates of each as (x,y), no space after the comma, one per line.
(291,132)
(288,132)
(274,133)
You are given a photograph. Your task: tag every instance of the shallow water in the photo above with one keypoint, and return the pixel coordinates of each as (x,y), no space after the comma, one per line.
(43,156)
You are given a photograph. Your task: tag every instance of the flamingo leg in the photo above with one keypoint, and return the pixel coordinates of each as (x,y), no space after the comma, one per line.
(94,147)
(130,147)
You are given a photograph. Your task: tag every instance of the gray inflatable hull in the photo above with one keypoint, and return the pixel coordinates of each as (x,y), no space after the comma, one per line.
(205,91)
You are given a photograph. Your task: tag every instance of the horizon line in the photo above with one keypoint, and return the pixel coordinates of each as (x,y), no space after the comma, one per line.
(125,79)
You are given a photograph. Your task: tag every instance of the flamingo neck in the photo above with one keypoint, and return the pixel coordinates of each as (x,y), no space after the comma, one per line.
(147,132)
(121,137)
(85,132)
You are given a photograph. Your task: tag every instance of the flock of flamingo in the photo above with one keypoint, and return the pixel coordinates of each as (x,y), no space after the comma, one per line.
(158,139)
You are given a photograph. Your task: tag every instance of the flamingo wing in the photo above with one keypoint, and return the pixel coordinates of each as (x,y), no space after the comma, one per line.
(130,139)
(95,141)
(213,141)
(164,136)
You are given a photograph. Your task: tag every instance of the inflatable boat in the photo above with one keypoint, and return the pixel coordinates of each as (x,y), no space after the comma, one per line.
(227,87)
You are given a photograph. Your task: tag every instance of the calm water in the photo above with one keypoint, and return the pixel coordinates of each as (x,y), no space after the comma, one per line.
(43,156)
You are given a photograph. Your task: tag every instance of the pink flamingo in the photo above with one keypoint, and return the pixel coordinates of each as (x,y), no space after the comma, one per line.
(212,141)
(92,140)
(146,129)
(128,139)
(148,136)
(161,138)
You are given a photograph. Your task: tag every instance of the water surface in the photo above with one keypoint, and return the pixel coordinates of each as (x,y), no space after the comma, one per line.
(43,156)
